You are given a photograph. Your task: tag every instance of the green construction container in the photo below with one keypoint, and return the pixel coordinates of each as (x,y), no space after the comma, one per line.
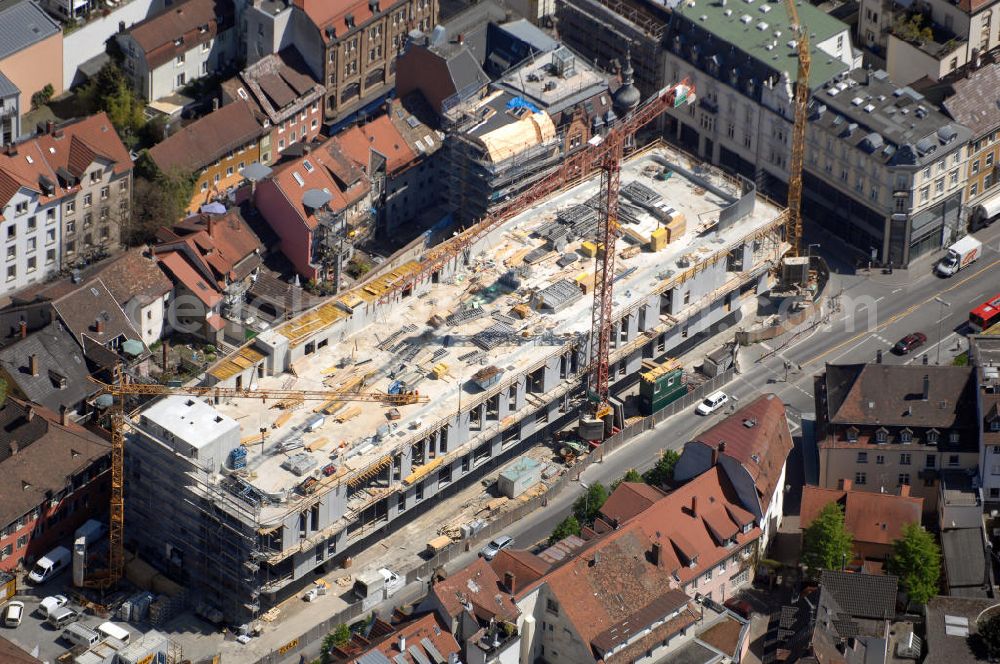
(659,386)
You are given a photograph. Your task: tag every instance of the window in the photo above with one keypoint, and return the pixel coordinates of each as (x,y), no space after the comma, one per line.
(880,459)
(881,435)
(229,171)
(32,223)
(70,247)
(906,436)
(860,479)
(975,167)
(70,227)
(939,187)
(952,460)
(862,457)
(552,607)
(123,185)
(104,213)
(11,232)
(22,541)
(204,68)
(88,200)
(953,437)
(904,459)
(179,60)
(852,434)
(32,264)
(88,220)
(12,251)
(11,272)
(180,80)
(974,189)
(204,185)
(32,244)
(70,207)
(904,478)
(925,193)
(50,256)
(932,437)
(930,461)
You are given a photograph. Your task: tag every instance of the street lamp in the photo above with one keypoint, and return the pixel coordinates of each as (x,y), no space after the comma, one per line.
(940,318)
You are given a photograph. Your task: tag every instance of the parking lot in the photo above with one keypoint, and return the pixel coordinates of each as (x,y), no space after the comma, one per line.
(35,632)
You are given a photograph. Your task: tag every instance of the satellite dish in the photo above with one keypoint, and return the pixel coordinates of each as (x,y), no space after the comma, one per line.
(316,198)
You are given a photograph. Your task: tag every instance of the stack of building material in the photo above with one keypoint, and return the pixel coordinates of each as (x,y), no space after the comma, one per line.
(299,464)
(487,376)
(557,296)
(347,414)
(519,477)
(495,335)
(465,315)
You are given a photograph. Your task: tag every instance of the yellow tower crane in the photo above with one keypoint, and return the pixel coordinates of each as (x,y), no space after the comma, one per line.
(793,231)
(122,388)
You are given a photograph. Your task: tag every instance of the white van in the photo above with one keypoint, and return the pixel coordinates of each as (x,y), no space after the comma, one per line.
(79,635)
(62,617)
(50,564)
(712,403)
(109,630)
(50,604)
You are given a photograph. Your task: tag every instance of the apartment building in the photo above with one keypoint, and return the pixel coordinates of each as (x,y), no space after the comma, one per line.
(10,111)
(186,41)
(975,104)
(216,148)
(282,89)
(350,47)
(888,426)
(31,52)
(984,353)
(885,170)
(65,194)
(54,475)
(929,41)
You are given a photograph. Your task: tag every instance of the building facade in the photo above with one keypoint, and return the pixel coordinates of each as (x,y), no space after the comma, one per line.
(31,55)
(883,427)
(166,52)
(10,111)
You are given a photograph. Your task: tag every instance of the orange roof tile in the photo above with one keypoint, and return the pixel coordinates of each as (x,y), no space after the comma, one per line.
(416,632)
(877,518)
(524,565)
(326,14)
(629,499)
(191,280)
(379,135)
(479,585)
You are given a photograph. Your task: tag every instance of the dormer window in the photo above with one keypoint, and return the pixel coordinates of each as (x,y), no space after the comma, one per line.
(995,424)
(852,434)
(953,437)
(881,435)
(906,436)
(932,437)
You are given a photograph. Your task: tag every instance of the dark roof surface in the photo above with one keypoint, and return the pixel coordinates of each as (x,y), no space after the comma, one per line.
(62,373)
(204,141)
(862,595)
(964,560)
(23,24)
(11,654)
(193,22)
(81,309)
(976,101)
(949,644)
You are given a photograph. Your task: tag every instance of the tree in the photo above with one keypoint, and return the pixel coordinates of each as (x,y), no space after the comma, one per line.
(826,544)
(337,637)
(589,504)
(568,526)
(663,472)
(631,476)
(42,97)
(988,636)
(158,199)
(109,91)
(916,560)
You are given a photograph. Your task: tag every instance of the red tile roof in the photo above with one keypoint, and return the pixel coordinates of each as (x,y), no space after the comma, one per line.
(325,168)
(480,586)
(194,22)
(186,275)
(70,148)
(220,244)
(524,565)
(205,141)
(325,14)
(757,437)
(134,275)
(629,499)
(872,517)
(380,135)
(424,629)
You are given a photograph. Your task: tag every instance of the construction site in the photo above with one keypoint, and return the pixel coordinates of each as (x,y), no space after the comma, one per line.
(242,499)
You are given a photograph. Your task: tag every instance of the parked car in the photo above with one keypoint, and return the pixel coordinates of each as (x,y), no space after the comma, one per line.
(50,604)
(712,403)
(15,611)
(909,342)
(495,546)
(740,607)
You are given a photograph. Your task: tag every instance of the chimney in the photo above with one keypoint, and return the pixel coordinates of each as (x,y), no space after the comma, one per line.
(31,413)
(121,27)
(904,490)
(722,447)
(64,415)
(23,329)
(694,505)
(657,554)
(402,643)
(508,580)
(927,387)
(215,103)
(845,485)
(33,364)
(715,456)
(13,447)
(208,224)
(50,126)
(99,326)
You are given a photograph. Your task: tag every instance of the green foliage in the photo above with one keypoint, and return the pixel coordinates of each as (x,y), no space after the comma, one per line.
(988,629)
(568,526)
(826,544)
(631,476)
(337,637)
(358,267)
(589,504)
(42,97)
(663,472)
(157,201)
(961,360)
(916,560)
(4,390)
(108,91)
(911,28)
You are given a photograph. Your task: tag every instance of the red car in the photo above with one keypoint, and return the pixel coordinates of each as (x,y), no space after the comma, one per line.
(738,606)
(909,342)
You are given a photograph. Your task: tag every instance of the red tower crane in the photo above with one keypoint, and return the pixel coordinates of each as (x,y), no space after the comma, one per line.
(607,155)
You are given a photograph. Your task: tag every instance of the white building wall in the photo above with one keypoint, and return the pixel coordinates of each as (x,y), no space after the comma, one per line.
(202,60)
(31,241)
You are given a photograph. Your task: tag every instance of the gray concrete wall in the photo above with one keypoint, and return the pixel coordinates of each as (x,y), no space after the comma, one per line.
(89,41)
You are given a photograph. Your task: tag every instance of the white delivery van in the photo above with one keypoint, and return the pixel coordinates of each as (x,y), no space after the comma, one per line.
(960,255)
(50,565)
(109,630)
(62,617)
(80,635)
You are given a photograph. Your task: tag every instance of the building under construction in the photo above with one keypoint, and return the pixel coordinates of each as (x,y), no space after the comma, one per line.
(243,501)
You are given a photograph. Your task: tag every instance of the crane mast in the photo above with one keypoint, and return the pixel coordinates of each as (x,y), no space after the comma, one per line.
(793,232)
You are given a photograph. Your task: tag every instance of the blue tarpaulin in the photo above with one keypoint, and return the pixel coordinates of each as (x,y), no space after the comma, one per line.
(521,102)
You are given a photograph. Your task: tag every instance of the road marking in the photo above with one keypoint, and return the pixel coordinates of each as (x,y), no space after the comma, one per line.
(931,348)
(902,314)
(896,291)
(976,299)
(879,299)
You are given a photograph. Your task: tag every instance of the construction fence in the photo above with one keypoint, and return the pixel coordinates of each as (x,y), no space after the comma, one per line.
(423,572)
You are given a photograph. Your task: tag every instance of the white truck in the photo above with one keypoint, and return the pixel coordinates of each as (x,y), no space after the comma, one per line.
(960,255)
(91,531)
(50,565)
